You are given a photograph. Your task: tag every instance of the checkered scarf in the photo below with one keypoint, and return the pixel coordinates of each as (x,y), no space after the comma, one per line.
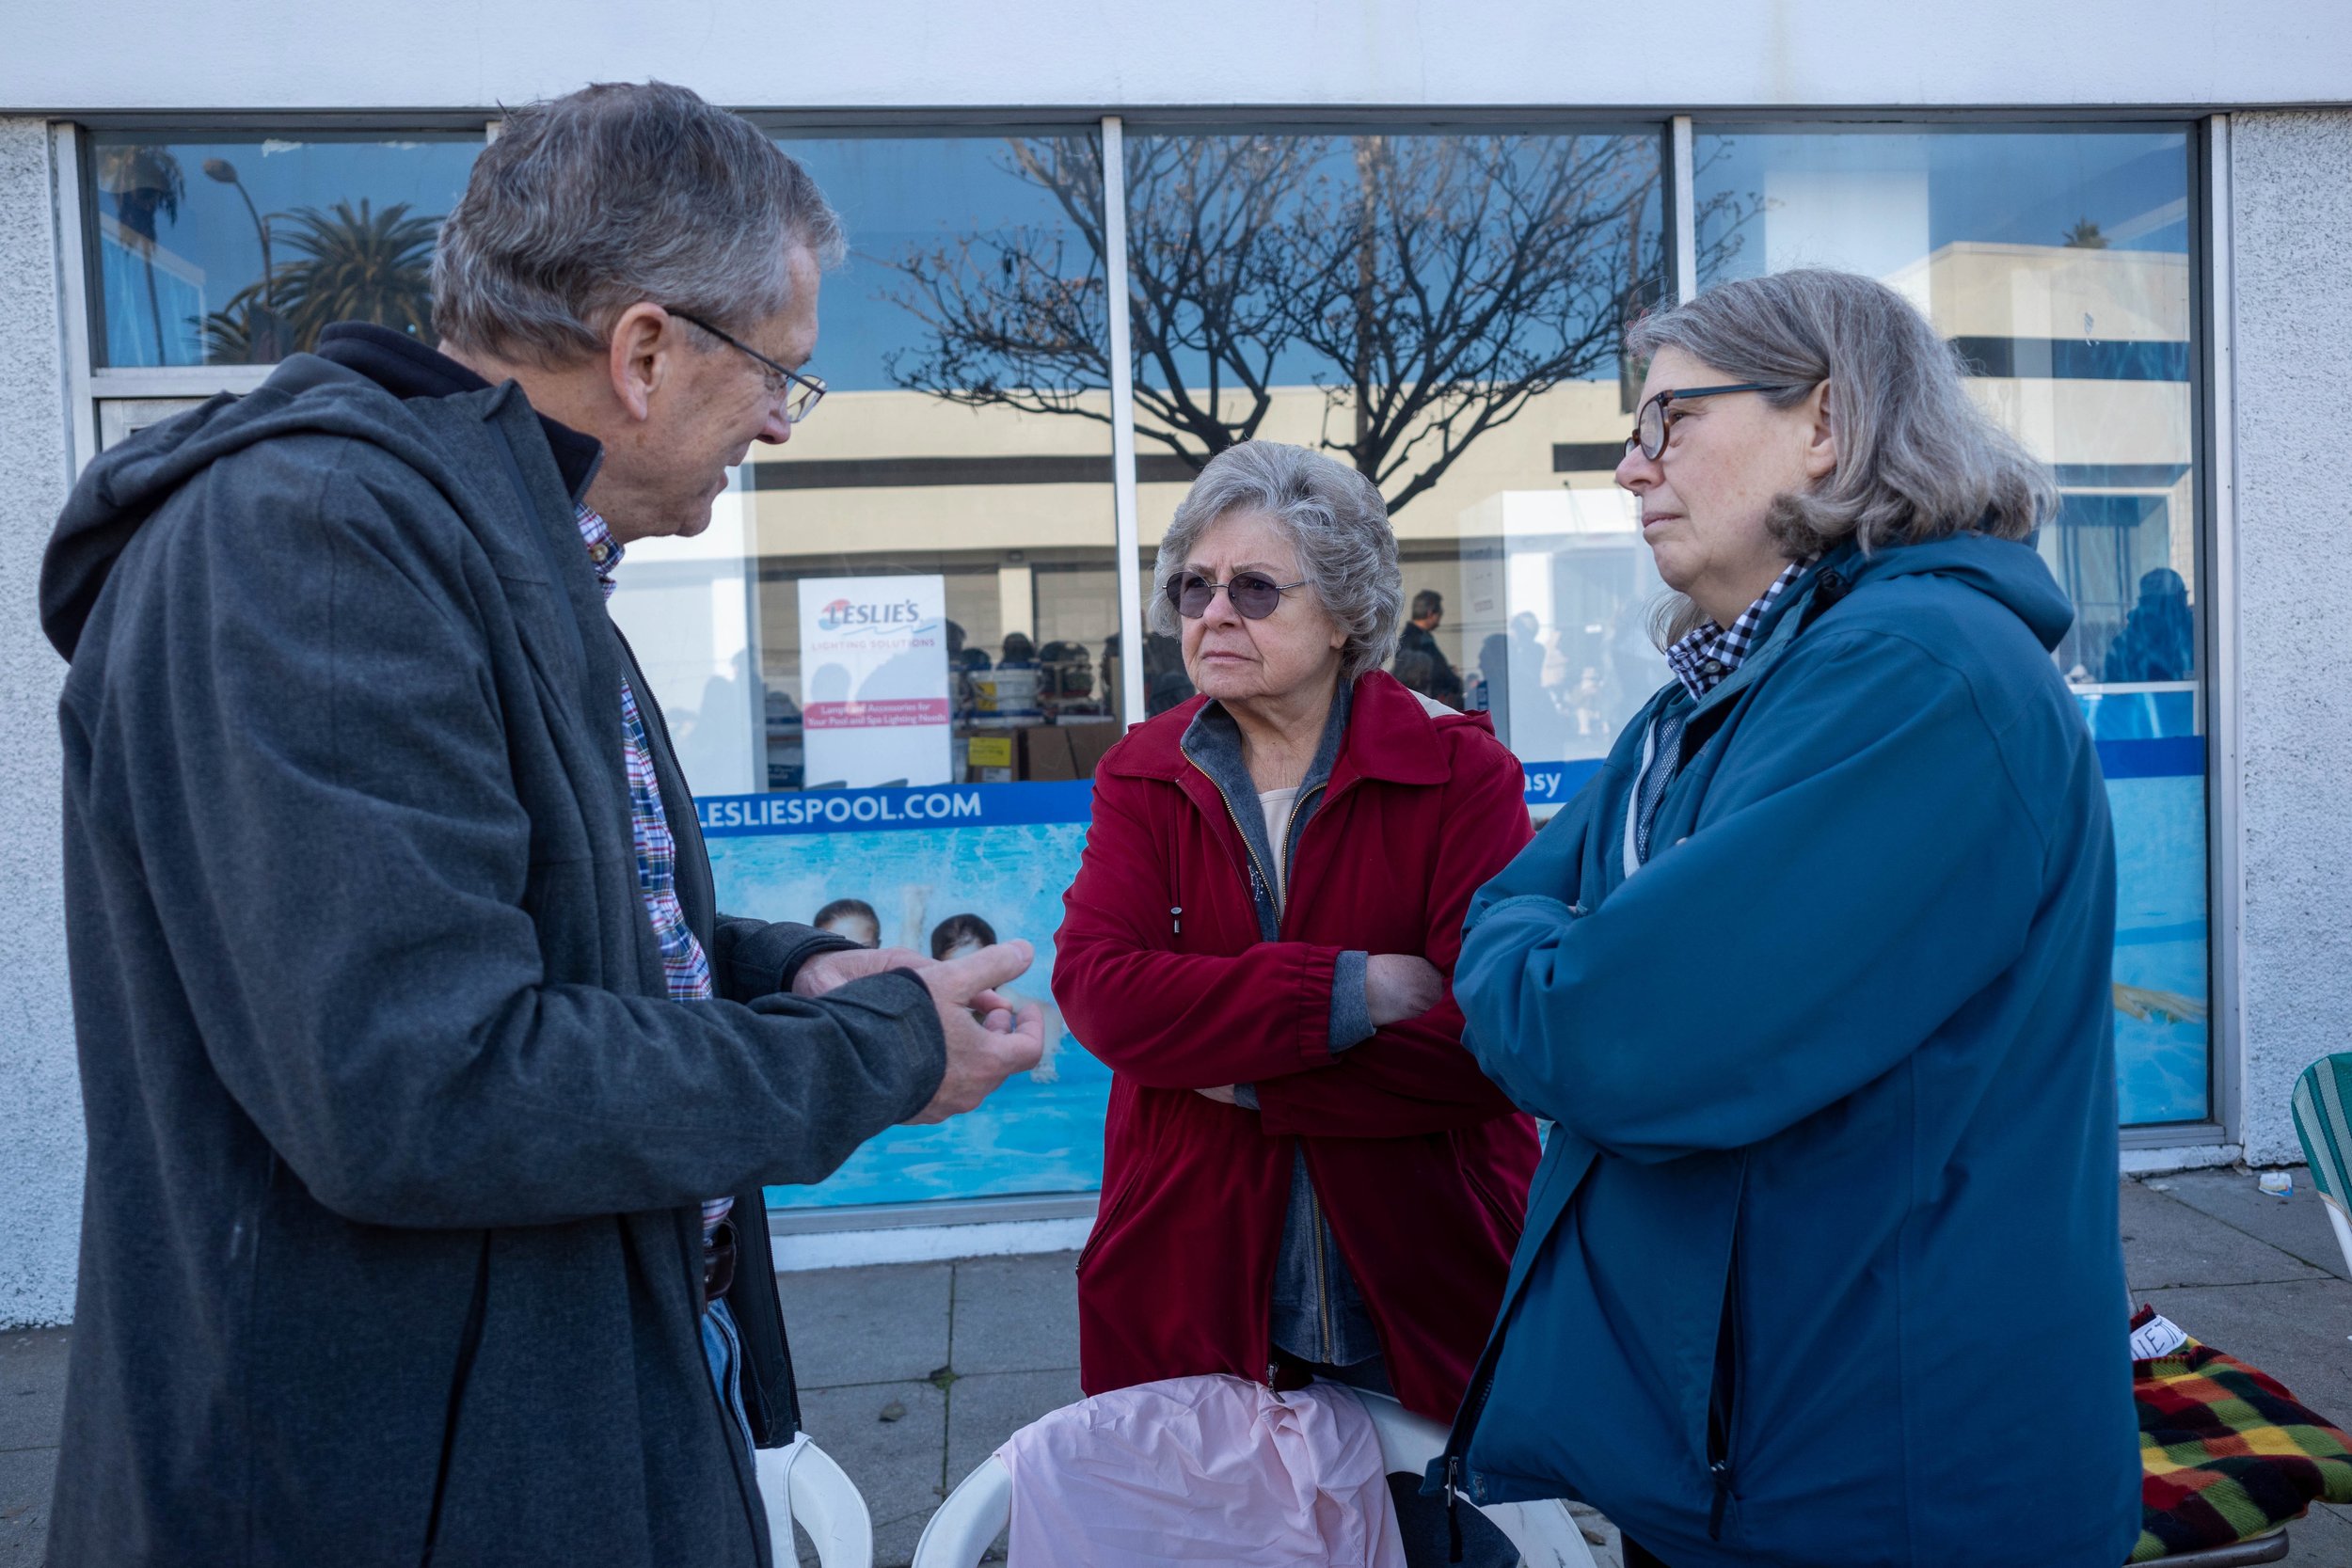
(1702,659)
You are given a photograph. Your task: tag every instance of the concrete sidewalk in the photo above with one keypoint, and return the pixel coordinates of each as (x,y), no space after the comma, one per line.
(32,1394)
(912,1375)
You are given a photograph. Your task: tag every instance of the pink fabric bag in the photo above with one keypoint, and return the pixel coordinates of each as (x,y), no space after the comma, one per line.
(1202,1469)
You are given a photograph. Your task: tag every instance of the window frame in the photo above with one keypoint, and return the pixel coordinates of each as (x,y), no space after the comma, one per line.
(2219,1136)
(88,388)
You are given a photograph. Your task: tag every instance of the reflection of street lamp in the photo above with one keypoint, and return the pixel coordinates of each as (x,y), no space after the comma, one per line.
(262,344)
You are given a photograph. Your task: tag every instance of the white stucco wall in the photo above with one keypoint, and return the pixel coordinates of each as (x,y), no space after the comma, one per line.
(1134,54)
(41,1107)
(2292,223)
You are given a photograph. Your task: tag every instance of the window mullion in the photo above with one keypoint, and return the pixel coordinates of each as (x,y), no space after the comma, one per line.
(1683,173)
(1129,544)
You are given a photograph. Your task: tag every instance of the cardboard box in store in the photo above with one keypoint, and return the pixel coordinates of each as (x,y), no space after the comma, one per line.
(1087,742)
(1045,752)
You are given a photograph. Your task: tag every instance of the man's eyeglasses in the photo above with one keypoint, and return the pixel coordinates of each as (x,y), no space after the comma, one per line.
(1253,595)
(1649,425)
(800,393)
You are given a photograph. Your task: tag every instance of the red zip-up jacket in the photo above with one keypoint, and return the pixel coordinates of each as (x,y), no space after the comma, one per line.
(1421,1164)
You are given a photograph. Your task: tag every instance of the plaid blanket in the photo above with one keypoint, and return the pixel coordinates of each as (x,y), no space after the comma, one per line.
(2225,1453)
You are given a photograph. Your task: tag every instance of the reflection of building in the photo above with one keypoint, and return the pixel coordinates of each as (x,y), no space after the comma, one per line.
(1556,593)
(2083,352)
(2084,355)
(1013,509)
(2184,394)
(155,299)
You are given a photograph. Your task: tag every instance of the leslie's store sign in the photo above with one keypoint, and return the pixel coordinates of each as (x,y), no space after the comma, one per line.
(874,703)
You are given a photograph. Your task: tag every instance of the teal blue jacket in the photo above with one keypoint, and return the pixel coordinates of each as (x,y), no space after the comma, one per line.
(1822,1264)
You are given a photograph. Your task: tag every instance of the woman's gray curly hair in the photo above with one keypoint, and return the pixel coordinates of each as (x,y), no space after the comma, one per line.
(1333,514)
(1916,458)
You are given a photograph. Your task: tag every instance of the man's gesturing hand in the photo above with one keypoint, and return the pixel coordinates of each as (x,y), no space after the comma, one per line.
(827,971)
(981,1053)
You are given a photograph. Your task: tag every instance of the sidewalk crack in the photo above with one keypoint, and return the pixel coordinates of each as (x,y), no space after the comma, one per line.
(2233,1284)
(947,1425)
(2266,1241)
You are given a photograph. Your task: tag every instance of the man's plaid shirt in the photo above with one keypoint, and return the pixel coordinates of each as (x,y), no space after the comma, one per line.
(683,964)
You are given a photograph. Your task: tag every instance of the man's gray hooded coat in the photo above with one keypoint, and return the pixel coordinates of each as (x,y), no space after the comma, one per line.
(390,1250)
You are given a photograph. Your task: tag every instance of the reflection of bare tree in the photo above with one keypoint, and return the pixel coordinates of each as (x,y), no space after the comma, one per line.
(1431,286)
(1016,322)
(1463,276)
(347,266)
(1720,217)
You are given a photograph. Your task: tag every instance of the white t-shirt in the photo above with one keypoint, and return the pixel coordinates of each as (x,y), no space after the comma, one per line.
(1278,805)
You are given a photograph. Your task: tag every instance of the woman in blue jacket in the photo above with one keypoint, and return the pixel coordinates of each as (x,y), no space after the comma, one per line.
(1822,1264)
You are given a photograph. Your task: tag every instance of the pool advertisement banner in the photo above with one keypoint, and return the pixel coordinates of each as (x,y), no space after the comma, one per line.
(934,889)
(874,671)
(936,867)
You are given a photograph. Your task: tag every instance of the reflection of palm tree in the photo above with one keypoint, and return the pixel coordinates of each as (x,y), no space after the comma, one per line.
(143,181)
(241,332)
(259,331)
(2085,235)
(367,266)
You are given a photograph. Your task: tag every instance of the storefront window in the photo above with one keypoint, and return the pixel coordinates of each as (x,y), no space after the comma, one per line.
(1443,312)
(236,250)
(2059,265)
(892,662)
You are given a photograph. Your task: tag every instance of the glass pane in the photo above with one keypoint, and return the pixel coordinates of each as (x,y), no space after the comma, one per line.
(1444,313)
(892,661)
(2058,264)
(236,250)
(1164,683)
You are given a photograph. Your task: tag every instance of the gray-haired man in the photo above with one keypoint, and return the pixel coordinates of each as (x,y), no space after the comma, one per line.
(425,1083)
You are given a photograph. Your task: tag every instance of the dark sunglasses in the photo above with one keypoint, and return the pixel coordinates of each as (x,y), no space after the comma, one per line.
(1253,595)
(800,393)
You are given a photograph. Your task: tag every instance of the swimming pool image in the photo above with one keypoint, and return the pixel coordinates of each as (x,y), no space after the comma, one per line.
(1042,1131)
(2161,1035)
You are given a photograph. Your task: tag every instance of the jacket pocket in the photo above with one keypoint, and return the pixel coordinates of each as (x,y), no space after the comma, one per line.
(1723,1403)
(1109,1211)
(468,1345)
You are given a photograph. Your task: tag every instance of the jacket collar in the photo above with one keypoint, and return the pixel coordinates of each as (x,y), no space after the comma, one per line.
(408,369)
(1213,740)
(1776,629)
(1388,735)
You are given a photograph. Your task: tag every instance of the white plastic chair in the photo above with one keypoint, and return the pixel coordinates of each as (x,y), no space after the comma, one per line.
(802,1482)
(981,1505)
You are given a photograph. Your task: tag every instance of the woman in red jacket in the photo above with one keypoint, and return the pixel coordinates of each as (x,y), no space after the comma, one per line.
(1304,1172)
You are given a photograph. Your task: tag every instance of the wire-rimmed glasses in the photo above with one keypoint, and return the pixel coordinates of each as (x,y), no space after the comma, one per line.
(800,393)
